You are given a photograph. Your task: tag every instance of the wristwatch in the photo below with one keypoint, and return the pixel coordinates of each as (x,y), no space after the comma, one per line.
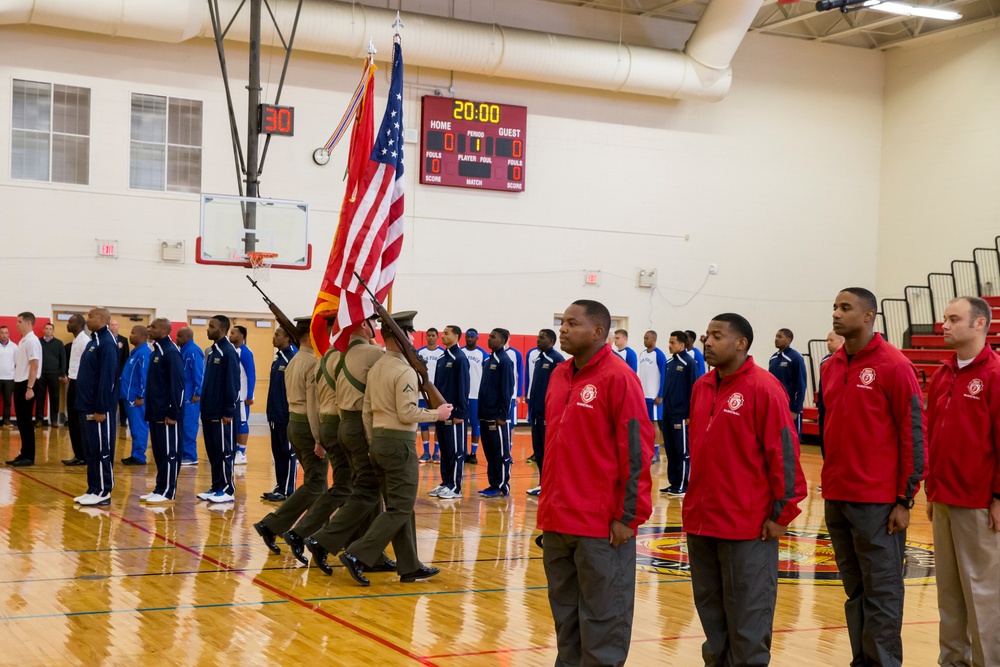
(905,502)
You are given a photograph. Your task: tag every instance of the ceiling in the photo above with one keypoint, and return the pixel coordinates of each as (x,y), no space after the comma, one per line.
(800,20)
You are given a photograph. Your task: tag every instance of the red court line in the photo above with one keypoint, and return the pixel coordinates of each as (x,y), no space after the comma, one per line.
(255,580)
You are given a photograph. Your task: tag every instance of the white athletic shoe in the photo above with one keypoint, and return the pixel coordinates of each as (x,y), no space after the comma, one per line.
(221,497)
(535,491)
(436,491)
(206,495)
(448,494)
(80,498)
(240,459)
(95,499)
(144,497)
(156,498)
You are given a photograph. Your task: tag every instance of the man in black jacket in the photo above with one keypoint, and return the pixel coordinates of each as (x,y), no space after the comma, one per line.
(164,406)
(53,368)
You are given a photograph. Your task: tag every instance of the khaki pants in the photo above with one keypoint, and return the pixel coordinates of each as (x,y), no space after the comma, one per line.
(967,567)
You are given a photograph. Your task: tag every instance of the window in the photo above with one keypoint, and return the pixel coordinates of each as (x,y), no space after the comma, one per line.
(166,144)
(50,133)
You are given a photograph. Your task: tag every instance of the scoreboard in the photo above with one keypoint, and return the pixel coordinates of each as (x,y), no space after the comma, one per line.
(470,144)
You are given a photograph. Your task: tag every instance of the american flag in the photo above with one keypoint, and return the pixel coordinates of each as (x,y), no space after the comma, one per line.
(371,241)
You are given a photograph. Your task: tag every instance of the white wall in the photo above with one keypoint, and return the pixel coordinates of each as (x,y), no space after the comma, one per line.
(941,157)
(772,184)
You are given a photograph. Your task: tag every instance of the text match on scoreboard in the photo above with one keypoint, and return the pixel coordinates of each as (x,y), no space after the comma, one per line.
(470,144)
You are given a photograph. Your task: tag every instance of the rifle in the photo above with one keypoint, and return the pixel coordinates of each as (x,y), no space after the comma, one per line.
(282,319)
(431,394)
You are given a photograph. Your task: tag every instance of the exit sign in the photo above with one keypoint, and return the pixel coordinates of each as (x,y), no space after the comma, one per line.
(107,248)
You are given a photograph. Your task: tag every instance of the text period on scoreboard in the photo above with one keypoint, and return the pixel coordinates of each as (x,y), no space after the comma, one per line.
(470,144)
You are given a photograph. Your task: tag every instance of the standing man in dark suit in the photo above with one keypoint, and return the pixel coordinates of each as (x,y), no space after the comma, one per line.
(123,352)
(277,419)
(452,379)
(163,409)
(495,390)
(96,398)
(538,386)
(219,408)
(53,369)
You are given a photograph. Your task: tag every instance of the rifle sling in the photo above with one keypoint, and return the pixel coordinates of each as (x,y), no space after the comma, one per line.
(342,367)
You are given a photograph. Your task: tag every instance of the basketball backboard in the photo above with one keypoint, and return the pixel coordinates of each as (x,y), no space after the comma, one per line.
(279,226)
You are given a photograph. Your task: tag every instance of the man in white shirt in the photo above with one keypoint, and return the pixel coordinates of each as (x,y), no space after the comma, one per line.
(430,353)
(8,349)
(78,327)
(27,370)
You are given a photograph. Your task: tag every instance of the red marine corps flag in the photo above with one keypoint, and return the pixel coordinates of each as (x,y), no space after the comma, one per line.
(370,235)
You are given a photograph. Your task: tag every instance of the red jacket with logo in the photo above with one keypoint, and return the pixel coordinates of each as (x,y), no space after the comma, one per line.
(744,456)
(963,432)
(598,446)
(873,425)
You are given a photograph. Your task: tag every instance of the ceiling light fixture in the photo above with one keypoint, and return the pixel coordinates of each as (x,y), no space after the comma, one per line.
(897,8)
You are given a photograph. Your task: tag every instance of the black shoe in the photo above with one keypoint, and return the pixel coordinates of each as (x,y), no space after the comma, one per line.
(319,555)
(298,546)
(22,463)
(471,460)
(74,462)
(354,568)
(274,497)
(268,536)
(14,460)
(388,565)
(423,572)
(530,459)
(132,461)
(665,489)
(539,541)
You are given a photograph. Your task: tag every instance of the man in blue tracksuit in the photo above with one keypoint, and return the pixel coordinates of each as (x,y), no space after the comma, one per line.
(248,381)
(277,419)
(220,410)
(132,392)
(678,381)
(495,391)
(194,375)
(624,352)
(790,368)
(694,352)
(164,407)
(538,385)
(97,405)
(452,380)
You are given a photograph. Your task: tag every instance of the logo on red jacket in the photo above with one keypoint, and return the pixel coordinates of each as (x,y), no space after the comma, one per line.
(867,376)
(588,393)
(736,401)
(975,386)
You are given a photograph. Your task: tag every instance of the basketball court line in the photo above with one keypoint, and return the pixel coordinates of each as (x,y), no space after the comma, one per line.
(277,591)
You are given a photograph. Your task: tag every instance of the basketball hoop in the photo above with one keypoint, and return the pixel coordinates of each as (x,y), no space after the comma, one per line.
(260,264)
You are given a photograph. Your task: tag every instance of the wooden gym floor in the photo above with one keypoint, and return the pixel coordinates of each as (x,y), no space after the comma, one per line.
(187,585)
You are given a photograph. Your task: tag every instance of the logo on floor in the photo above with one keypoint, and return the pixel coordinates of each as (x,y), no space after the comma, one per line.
(804,556)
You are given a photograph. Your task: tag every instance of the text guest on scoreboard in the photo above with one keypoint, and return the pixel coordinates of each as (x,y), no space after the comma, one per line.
(472,144)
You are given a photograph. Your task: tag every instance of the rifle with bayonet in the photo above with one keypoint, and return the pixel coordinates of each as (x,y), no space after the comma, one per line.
(431,393)
(282,319)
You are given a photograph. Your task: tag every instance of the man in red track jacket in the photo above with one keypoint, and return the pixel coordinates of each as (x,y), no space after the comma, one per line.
(874,438)
(746,483)
(598,445)
(963,487)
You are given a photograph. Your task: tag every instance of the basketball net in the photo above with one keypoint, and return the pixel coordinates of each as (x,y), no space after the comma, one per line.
(260,265)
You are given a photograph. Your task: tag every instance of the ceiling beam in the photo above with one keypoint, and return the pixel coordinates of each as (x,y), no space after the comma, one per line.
(804,16)
(666,7)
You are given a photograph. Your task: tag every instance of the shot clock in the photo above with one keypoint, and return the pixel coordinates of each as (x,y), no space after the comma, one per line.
(276,120)
(470,144)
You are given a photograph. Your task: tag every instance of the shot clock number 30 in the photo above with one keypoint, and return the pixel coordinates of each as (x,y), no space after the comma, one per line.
(471,144)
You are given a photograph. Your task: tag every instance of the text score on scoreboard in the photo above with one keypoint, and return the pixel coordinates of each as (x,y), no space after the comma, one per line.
(470,144)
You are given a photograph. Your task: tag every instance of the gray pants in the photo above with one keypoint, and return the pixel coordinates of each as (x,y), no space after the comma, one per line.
(735,585)
(592,597)
(871,567)
(398,471)
(365,501)
(313,480)
(335,496)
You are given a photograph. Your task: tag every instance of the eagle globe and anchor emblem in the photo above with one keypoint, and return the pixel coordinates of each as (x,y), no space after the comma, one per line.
(805,556)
